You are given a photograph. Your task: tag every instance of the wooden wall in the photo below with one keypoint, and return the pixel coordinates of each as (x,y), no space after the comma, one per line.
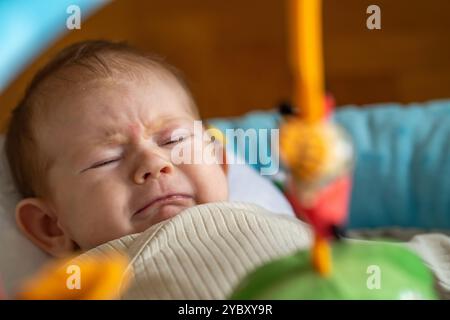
(234,53)
(407,60)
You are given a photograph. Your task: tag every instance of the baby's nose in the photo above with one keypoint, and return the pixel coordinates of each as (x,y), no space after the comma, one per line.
(152,166)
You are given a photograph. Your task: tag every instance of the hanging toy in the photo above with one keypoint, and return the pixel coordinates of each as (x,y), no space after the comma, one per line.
(319,156)
(316,151)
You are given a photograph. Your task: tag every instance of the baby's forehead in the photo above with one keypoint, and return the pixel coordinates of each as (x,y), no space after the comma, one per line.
(75,87)
(92,104)
(77,79)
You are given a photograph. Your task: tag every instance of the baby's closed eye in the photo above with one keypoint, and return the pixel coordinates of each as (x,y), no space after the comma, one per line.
(104,163)
(174,140)
(175,136)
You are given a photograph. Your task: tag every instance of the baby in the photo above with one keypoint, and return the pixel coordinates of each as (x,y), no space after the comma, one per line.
(90,148)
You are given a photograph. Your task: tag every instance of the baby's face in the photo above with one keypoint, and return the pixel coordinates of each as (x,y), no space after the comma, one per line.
(113,173)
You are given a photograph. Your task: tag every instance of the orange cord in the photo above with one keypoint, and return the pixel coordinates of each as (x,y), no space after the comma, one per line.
(321,256)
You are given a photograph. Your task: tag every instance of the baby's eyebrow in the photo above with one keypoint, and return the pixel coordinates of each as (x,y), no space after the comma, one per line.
(113,139)
(119,136)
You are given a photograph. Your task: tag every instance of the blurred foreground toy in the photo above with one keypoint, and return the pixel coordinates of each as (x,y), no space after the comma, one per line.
(318,153)
(87,278)
(319,156)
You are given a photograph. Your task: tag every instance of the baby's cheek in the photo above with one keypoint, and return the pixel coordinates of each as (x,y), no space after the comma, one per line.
(97,218)
(212,184)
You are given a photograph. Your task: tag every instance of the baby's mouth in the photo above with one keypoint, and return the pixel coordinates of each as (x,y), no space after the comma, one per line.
(154,208)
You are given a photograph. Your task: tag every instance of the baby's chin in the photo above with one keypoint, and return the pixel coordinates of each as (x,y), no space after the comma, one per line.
(169,211)
(162,210)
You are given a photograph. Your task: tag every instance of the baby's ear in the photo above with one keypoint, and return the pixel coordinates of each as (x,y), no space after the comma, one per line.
(36,220)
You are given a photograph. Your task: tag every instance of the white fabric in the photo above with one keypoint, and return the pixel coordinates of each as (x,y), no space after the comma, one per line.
(206,251)
(247,185)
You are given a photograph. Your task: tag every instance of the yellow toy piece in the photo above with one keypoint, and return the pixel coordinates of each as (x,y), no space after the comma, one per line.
(216,134)
(304,148)
(321,256)
(87,278)
(314,152)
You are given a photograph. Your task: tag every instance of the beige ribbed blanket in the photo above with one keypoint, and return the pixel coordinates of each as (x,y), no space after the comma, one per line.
(205,251)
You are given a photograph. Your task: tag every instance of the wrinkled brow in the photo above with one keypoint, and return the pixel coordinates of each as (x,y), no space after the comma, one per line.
(117,136)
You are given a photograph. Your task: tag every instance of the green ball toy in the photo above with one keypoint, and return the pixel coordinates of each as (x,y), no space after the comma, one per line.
(361,270)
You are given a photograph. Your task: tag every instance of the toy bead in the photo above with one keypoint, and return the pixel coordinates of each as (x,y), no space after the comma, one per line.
(87,278)
(321,256)
(216,135)
(304,148)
